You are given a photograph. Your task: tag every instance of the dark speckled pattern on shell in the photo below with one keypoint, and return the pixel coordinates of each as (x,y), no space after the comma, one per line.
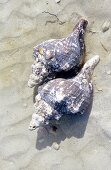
(67,96)
(64,96)
(59,55)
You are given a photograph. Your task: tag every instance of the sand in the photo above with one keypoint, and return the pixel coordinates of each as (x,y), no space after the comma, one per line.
(81,142)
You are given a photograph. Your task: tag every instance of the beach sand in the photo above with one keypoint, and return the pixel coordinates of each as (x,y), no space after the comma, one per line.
(80,142)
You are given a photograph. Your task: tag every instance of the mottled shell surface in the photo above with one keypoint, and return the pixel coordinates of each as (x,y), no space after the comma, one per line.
(64,96)
(53,56)
(67,96)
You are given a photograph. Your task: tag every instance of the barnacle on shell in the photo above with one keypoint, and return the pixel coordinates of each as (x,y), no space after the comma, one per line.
(57,55)
(64,96)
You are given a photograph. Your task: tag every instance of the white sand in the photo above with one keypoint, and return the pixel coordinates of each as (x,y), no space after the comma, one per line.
(85,143)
